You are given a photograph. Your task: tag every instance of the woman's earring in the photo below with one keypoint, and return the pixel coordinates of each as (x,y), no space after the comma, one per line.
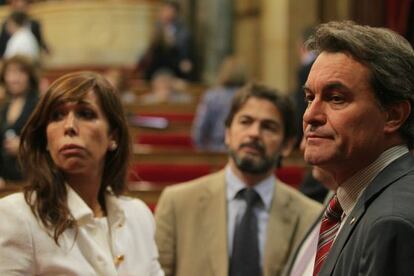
(113,146)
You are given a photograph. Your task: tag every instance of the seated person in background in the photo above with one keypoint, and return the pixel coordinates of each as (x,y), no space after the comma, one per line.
(240,220)
(71,218)
(118,79)
(208,126)
(20,81)
(163,90)
(307,58)
(34,26)
(22,40)
(170,46)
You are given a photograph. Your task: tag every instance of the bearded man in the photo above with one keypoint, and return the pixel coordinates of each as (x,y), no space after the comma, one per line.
(241,220)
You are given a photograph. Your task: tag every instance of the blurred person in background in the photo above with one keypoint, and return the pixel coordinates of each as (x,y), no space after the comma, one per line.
(119,80)
(71,218)
(208,126)
(22,40)
(163,90)
(19,79)
(32,24)
(307,58)
(170,46)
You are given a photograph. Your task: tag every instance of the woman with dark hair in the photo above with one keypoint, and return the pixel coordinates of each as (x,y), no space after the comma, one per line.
(71,218)
(20,81)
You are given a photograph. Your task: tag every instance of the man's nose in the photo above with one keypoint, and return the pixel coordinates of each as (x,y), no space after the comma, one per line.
(315,113)
(254,129)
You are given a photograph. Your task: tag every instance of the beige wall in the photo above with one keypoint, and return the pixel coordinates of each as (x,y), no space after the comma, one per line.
(247,35)
(94,32)
(282,24)
(302,15)
(266,37)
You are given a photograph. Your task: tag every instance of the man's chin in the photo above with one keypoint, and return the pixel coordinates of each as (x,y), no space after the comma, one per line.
(254,166)
(314,159)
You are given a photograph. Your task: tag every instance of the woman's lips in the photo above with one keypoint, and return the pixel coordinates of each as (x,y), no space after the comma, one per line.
(70,149)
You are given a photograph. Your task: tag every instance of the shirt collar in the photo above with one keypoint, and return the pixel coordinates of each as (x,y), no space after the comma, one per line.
(349,192)
(264,188)
(82,213)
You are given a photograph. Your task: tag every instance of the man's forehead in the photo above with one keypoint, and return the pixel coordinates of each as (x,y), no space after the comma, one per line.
(259,108)
(337,69)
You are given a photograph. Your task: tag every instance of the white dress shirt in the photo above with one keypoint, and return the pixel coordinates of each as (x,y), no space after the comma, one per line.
(125,247)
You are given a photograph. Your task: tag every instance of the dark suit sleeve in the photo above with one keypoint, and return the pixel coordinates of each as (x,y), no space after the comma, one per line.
(36,29)
(389,248)
(4,37)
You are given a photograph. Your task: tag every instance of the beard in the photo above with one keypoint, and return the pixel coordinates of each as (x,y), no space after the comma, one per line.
(254,164)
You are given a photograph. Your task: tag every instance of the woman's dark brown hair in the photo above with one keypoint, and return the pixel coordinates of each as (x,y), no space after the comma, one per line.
(46,192)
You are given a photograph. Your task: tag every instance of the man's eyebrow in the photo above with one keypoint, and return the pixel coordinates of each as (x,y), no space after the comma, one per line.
(329,86)
(335,85)
(272,121)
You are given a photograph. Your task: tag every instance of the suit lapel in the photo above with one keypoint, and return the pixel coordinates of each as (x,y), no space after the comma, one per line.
(213,224)
(280,229)
(390,174)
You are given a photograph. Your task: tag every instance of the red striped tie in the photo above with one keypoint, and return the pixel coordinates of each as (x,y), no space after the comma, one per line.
(329,227)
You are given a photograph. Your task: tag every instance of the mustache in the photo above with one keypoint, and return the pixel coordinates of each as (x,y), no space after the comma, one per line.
(316,131)
(254,144)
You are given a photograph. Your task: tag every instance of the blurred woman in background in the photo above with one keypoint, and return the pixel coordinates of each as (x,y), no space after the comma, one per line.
(20,82)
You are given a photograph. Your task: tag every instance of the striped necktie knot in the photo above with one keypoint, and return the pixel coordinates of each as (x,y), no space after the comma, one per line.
(330,224)
(334,211)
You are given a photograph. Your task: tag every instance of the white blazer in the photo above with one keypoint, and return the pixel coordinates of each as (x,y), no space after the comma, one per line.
(27,248)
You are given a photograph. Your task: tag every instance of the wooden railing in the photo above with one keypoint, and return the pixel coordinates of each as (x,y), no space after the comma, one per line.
(10,189)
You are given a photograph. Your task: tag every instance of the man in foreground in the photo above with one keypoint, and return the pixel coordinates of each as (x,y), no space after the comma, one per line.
(358,127)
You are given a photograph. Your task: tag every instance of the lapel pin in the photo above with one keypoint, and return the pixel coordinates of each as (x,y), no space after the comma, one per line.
(352,221)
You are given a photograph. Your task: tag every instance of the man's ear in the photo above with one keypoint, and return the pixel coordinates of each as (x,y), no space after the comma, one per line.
(396,114)
(227,137)
(288,146)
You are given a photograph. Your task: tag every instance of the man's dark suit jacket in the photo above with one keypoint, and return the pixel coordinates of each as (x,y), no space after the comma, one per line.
(378,236)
